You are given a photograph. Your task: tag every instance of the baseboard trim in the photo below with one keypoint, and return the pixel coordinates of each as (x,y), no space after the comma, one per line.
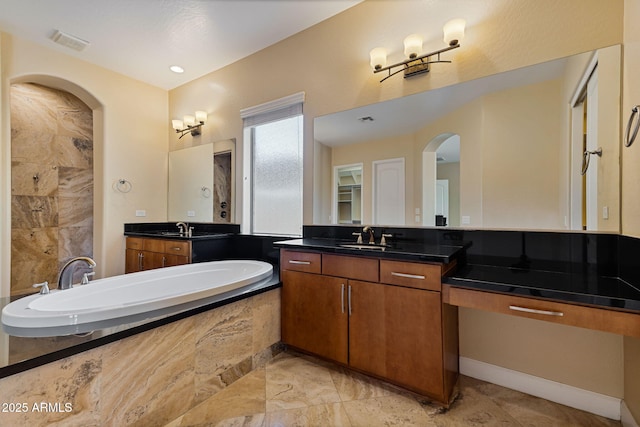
(595,403)
(626,417)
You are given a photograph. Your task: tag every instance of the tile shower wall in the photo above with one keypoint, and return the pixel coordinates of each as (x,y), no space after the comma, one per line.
(51,183)
(222,188)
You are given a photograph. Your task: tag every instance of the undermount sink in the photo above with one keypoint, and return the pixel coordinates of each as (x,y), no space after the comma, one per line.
(363,246)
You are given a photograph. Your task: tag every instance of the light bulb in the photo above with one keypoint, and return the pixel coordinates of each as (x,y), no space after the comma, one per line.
(413,46)
(378,58)
(201,116)
(189,120)
(177,124)
(454,31)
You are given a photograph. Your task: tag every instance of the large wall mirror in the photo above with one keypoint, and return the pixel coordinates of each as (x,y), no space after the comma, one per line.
(201,183)
(504,151)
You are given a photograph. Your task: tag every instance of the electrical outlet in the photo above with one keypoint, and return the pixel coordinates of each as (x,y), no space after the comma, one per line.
(191,213)
(466,220)
(141,212)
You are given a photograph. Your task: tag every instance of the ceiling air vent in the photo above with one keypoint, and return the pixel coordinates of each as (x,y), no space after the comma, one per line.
(69,41)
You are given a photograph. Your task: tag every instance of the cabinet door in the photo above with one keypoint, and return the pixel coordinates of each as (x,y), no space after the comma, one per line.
(314,314)
(170,260)
(133,262)
(396,333)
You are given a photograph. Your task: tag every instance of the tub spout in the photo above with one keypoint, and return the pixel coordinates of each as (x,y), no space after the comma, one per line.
(68,284)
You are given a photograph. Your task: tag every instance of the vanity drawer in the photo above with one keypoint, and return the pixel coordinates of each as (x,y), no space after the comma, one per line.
(411,274)
(177,247)
(308,262)
(153,245)
(135,243)
(617,322)
(350,267)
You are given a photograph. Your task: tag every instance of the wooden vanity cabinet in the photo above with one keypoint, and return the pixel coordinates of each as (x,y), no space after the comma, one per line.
(346,312)
(313,314)
(396,333)
(147,253)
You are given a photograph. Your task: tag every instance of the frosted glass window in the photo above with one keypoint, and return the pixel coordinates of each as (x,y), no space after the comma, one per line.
(277,177)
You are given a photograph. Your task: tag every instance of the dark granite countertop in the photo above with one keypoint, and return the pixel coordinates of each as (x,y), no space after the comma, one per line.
(410,251)
(174,235)
(581,288)
(169,230)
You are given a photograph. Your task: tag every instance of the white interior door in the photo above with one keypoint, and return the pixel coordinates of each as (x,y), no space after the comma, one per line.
(442,197)
(388,192)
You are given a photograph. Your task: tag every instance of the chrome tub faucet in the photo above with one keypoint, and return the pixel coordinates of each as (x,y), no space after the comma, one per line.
(68,283)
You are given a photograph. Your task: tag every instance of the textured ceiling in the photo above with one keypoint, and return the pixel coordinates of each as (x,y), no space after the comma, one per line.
(143,38)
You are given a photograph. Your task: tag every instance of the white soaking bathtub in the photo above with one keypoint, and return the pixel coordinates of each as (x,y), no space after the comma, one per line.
(132,297)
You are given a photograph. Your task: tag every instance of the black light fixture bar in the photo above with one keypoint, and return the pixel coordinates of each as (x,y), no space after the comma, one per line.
(417,65)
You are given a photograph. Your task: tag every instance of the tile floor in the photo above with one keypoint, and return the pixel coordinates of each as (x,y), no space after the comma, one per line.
(297,390)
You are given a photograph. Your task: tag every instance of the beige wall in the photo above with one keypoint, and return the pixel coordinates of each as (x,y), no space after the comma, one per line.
(630,182)
(329,61)
(130,142)
(520,160)
(502,151)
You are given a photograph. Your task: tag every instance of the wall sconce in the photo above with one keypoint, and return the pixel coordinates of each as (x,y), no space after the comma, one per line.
(418,63)
(188,124)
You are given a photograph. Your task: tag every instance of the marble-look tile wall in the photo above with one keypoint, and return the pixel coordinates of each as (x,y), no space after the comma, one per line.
(222,188)
(51,183)
(153,377)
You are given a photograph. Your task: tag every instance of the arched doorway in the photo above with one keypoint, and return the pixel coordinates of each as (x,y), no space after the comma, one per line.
(52,178)
(441,181)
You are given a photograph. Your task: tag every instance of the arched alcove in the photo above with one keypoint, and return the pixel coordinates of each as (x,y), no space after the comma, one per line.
(440,167)
(54,177)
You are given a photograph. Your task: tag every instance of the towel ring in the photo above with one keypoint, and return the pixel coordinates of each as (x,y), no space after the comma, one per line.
(587,156)
(206,192)
(628,136)
(123,186)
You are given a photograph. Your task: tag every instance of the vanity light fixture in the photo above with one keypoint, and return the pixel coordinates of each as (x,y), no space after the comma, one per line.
(418,63)
(190,124)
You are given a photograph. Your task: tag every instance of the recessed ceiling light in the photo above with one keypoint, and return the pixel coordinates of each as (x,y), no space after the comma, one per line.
(176,69)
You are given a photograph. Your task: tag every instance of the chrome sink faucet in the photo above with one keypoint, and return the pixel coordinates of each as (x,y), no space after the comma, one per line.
(369,229)
(182,227)
(68,284)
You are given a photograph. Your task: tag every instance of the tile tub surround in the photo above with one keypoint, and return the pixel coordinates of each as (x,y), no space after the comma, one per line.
(51,183)
(151,378)
(293,389)
(28,353)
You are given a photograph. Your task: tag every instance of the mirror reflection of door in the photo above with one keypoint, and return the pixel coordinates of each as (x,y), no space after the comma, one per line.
(347,194)
(590,184)
(389,192)
(584,193)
